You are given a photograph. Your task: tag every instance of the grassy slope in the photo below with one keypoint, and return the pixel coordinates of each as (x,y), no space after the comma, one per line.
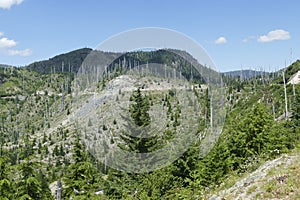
(275,179)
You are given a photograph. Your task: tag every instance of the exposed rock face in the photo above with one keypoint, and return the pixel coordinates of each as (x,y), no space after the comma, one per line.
(295,79)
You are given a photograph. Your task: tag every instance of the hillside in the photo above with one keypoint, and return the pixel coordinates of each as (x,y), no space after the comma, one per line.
(246,74)
(66,62)
(275,179)
(59,137)
(295,79)
(70,62)
(5,66)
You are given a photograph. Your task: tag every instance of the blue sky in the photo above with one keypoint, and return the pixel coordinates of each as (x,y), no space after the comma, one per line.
(240,33)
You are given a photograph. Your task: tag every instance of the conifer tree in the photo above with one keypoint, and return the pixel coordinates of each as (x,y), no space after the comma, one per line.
(139,109)
(82,177)
(138,136)
(28,187)
(6,189)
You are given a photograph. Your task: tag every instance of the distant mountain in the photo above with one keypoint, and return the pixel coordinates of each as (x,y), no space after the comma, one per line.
(72,59)
(245,73)
(180,60)
(5,66)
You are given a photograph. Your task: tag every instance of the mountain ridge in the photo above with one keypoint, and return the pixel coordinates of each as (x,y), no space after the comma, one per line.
(71,61)
(246,73)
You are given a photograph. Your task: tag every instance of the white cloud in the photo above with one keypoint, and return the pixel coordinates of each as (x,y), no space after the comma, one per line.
(278,34)
(249,38)
(7,4)
(7,43)
(221,40)
(25,52)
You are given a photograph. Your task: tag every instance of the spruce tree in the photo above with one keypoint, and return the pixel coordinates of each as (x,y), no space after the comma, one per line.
(138,136)
(82,178)
(28,187)
(6,189)
(139,109)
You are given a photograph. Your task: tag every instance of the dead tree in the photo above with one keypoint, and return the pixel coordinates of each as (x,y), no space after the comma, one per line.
(285,96)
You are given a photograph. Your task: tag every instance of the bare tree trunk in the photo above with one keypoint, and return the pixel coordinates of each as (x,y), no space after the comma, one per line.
(59,188)
(241,74)
(191,74)
(3,122)
(273,108)
(285,96)
(294,92)
(211,112)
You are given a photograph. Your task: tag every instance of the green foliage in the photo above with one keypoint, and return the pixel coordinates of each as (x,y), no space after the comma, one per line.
(156,184)
(292,69)
(139,109)
(82,178)
(6,189)
(73,59)
(55,151)
(136,140)
(244,143)
(28,187)
(296,107)
(30,102)
(44,182)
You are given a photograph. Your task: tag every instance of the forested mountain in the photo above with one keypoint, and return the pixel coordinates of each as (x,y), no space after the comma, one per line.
(5,66)
(64,62)
(71,61)
(49,130)
(246,73)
